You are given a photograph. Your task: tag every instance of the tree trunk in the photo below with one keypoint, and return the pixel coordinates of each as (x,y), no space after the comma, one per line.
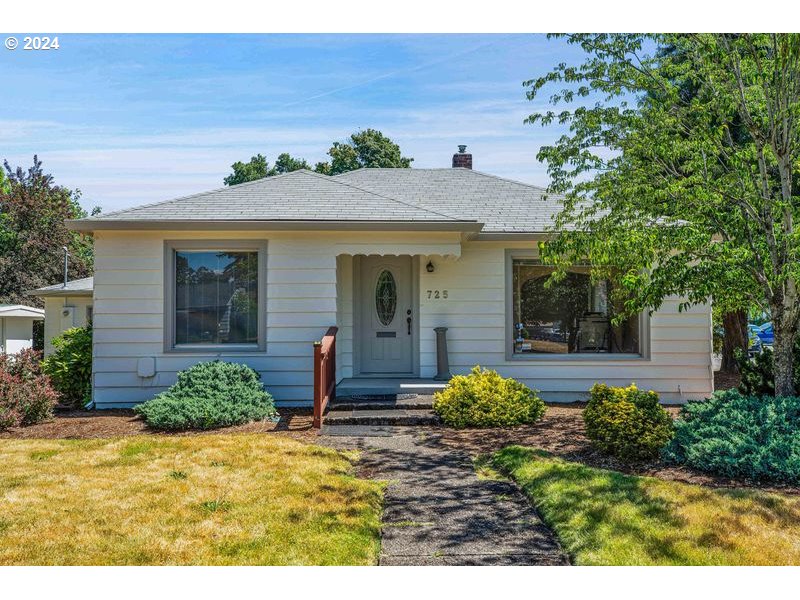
(783,349)
(735,337)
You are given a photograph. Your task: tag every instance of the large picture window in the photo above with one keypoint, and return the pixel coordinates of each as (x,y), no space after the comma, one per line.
(216,297)
(573,316)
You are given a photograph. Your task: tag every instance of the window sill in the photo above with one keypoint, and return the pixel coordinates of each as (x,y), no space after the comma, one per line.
(589,357)
(215,349)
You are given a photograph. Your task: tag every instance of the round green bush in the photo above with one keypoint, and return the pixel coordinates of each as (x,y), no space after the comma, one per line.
(627,423)
(741,436)
(484,399)
(70,366)
(207,396)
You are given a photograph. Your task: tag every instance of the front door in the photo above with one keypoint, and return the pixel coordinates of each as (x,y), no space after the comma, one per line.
(386,319)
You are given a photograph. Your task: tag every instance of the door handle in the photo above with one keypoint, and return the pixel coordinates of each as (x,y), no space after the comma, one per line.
(408,321)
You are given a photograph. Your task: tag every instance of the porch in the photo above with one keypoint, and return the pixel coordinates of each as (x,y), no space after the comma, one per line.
(387,386)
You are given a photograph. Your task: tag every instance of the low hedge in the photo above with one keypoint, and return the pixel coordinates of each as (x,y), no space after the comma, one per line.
(210,395)
(485,399)
(627,423)
(742,436)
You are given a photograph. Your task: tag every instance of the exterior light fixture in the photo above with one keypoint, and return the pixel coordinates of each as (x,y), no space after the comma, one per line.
(429,267)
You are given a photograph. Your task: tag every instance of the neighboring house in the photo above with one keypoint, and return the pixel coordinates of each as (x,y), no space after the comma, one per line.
(65,305)
(257,272)
(16,327)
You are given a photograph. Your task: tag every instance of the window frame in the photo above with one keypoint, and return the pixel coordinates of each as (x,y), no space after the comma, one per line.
(171,247)
(644,326)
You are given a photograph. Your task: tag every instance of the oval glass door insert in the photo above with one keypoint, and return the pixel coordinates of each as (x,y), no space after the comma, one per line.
(386,297)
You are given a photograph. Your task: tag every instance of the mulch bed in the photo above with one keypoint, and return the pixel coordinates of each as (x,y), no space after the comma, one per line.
(86,424)
(561,432)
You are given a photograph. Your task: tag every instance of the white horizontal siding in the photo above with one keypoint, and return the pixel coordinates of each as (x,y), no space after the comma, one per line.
(678,365)
(310,289)
(129,319)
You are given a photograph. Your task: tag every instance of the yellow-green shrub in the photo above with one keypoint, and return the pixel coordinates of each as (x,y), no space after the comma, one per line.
(484,399)
(626,422)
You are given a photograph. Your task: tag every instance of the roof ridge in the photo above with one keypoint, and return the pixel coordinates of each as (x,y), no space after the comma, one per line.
(515,181)
(403,202)
(215,190)
(475,171)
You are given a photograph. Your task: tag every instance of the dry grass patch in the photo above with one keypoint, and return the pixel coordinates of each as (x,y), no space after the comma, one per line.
(209,500)
(605,517)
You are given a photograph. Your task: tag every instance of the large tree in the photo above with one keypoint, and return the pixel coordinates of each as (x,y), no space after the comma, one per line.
(33,233)
(367,148)
(258,168)
(662,190)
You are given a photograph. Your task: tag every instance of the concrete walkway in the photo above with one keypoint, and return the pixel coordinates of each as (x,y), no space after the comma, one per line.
(437,511)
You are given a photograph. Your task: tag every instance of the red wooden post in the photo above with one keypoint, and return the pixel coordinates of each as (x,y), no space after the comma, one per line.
(324,374)
(317,385)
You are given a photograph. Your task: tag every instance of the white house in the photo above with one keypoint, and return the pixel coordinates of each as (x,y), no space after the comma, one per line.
(66,305)
(259,271)
(16,327)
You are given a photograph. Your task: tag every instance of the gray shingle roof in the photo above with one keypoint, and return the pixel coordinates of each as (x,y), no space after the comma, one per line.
(459,198)
(76,287)
(503,205)
(297,196)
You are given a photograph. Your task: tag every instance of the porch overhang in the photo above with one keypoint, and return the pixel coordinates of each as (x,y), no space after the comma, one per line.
(445,249)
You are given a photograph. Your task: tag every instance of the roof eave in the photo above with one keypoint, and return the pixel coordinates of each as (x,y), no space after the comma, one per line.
(58,293)
(90,225)
(512,236)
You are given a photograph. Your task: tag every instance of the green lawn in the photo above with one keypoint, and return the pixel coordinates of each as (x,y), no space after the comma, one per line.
(608,518)
(209,500)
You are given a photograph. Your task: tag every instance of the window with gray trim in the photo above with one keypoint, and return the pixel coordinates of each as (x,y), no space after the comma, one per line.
(572,316)
(214,295)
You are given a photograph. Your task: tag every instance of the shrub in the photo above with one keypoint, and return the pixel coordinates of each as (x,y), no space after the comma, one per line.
(70,366)
(741,436)
(209,395)
(26,395)
(626,422)
(484,399)
(758,375)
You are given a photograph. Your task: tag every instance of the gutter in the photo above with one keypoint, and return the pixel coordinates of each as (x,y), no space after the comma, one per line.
(90,225)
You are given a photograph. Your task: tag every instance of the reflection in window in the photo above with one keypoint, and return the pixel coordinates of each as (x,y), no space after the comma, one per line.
(216,297)
(572,316)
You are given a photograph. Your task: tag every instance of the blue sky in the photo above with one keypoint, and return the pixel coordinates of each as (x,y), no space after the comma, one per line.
(139,118)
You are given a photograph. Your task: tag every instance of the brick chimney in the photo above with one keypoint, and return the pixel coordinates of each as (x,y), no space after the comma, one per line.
(462,158)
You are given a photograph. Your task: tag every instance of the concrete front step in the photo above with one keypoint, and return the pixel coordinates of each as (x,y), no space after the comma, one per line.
(394,416)
(415,403)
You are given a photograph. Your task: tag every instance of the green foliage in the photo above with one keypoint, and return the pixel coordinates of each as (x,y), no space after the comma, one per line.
(688,146)
(258,168)
(485,399)
(626,422)
(286,163)
(367,148)
(26,394)
(758,373)
(33,211)
(743,436)
(210,395)
(70,366)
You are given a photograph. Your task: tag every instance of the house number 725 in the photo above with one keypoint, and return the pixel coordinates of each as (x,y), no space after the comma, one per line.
(437,294)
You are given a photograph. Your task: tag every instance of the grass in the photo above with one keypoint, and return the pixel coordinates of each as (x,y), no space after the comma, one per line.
(207,500)
(609,518)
